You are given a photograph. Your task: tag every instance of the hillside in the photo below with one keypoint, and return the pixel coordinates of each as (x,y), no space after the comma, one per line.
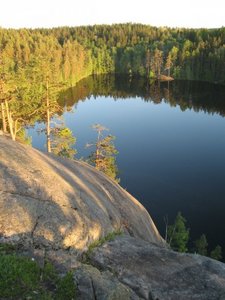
(64,211)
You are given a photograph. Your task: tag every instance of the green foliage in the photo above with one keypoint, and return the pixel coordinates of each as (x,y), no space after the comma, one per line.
(66,288)
(103,158)
(109,237)
(151,74)
(49,275)
(62,142)
(70,54)
(19,276)
(24,138)
(216,253)
(201,245)
(22,278)
(98,243)
(178,235)
(61,287)
(7,249)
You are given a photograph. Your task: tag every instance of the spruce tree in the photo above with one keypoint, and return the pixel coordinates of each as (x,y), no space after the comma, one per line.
(201,245)
(178,234)
(216,253)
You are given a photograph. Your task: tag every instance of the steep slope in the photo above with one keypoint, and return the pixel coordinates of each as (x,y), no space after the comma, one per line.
(59,204)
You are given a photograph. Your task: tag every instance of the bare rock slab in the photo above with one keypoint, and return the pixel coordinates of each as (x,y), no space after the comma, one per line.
(157,273)
(54,203)
(95,285)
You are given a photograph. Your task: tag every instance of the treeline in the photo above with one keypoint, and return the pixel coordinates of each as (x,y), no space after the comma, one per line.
(134,49)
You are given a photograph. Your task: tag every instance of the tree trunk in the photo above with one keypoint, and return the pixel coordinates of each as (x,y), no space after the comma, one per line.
(148,63)
(48,129)
(4,126)
(10,121)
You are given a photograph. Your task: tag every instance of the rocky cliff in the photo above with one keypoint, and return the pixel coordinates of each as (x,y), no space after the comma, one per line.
(56,208)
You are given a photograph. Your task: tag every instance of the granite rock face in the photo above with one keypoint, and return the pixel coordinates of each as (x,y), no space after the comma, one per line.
(55,208)
(93,284)
(53,203)
(158,273)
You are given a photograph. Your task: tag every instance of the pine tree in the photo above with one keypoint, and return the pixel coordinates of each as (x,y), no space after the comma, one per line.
(103,157)
(201,245)
(168,64)
(62,142)
(216,253)
(178,234)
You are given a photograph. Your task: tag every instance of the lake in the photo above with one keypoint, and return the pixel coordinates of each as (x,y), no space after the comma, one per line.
(171,143)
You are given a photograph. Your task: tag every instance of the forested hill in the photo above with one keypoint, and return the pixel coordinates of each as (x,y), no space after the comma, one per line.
(69,54)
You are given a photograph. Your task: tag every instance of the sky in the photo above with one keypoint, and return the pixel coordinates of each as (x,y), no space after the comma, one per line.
(54,13)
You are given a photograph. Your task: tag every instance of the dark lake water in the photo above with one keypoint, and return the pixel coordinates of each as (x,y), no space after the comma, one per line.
(171,143)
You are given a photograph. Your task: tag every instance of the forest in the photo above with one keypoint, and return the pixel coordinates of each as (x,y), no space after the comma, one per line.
(70,54)
(37,64)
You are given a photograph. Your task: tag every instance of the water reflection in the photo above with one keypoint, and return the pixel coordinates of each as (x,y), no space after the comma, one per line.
(199,96)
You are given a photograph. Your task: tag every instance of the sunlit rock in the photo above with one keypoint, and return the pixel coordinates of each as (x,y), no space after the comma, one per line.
(55,203)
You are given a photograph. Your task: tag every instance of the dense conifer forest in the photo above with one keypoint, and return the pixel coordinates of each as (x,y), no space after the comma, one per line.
(69,54)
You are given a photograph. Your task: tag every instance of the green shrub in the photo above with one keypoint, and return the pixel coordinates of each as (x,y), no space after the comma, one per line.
(22,278)
(49,275)
(7,248)
(66,288)
(18,276)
